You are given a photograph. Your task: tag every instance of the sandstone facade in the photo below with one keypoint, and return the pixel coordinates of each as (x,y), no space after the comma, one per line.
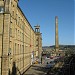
(18,40)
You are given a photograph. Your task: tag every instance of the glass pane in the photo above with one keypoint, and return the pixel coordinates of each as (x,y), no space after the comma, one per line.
(1,9)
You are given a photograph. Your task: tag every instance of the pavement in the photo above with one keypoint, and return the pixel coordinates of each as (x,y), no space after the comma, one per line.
(40,69)
(36,69)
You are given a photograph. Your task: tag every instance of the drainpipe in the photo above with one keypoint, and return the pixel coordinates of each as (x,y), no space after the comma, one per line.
(23,47)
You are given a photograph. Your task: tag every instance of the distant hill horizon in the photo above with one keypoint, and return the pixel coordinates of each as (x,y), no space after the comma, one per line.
(59,45)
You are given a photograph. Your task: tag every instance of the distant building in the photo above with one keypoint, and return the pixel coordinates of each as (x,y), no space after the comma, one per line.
(19,43)
(47,50)
(38,41)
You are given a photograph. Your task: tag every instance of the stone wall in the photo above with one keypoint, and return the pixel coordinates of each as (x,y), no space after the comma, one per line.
(17,39)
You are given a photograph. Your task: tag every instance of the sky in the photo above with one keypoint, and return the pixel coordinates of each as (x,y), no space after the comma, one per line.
(43,12)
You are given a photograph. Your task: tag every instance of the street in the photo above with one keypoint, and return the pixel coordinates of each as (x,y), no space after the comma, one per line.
(36,69)
(39,69)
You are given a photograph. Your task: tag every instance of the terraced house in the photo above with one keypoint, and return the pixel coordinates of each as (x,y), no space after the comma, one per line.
(19,43)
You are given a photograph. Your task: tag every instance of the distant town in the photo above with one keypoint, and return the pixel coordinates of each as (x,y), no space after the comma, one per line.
(69,49)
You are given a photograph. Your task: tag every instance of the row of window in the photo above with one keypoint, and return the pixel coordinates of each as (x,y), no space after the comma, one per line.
(20,62)
(19,22)
(19,35)
(18,49)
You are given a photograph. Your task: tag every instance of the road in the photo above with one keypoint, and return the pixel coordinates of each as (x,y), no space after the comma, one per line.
(36,69)
(39,69)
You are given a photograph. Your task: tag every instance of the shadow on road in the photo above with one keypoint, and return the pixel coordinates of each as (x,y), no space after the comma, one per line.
(14,69)
(40,68)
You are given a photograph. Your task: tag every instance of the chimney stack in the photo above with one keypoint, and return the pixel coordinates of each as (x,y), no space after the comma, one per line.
(56,35)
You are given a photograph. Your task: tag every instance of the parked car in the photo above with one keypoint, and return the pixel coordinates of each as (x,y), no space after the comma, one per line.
(47,58)
(51,57)
(50,65)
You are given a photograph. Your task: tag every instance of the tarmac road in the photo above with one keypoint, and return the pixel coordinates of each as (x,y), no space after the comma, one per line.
(36,69)
(39,69)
